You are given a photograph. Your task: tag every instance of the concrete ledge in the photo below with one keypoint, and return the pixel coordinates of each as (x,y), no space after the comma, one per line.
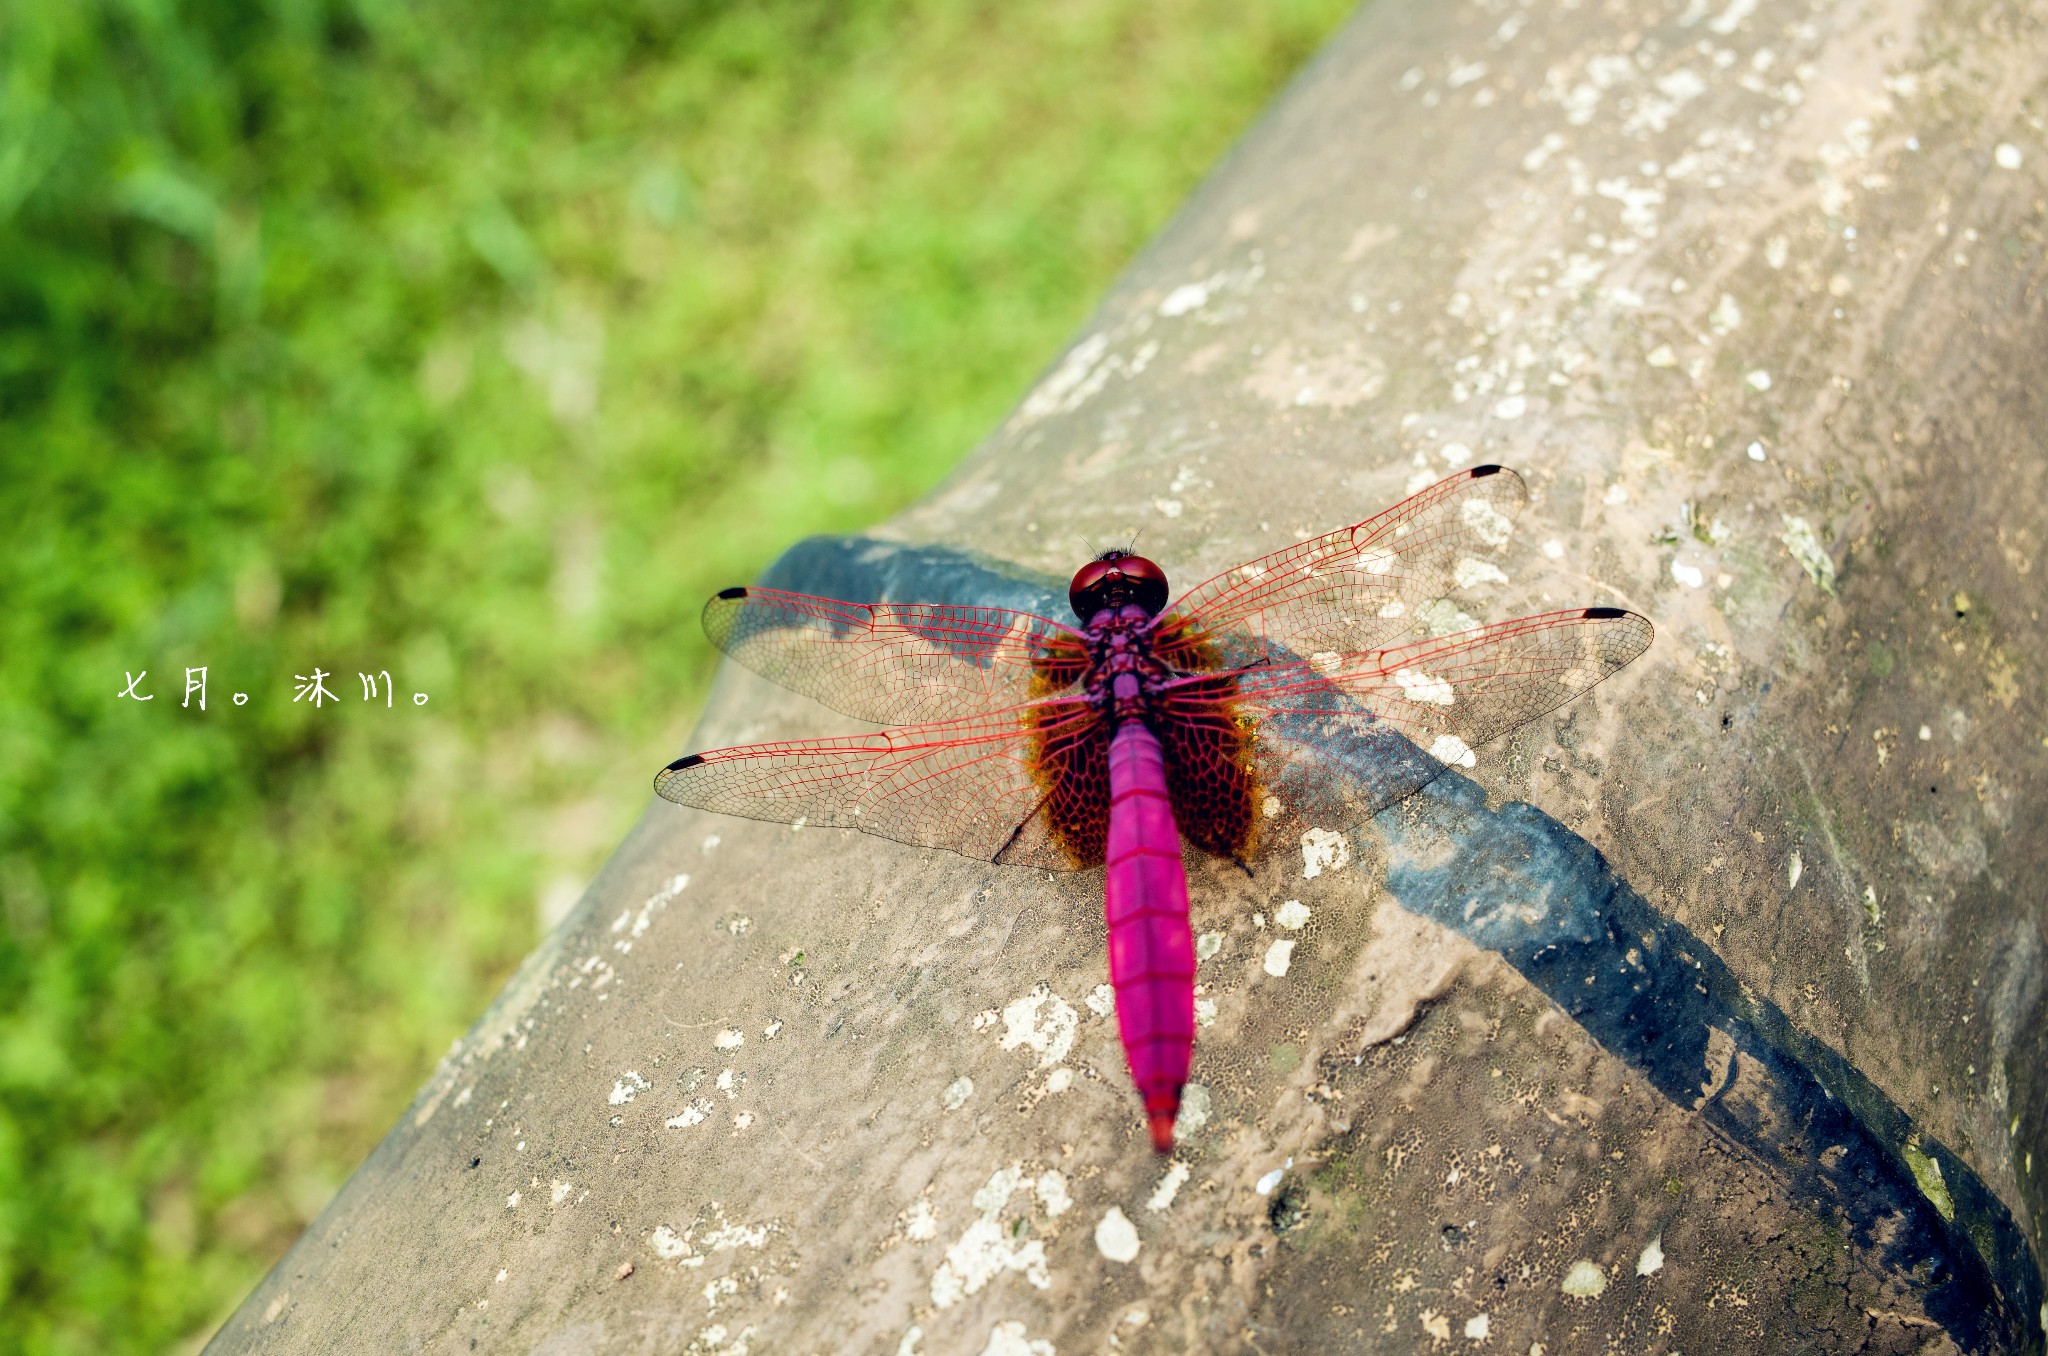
(1705,1013)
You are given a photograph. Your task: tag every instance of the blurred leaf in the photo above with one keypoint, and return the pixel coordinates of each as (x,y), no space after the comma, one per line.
(160,194)
(500,242)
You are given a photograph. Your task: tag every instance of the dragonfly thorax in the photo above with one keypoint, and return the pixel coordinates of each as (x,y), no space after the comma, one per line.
(1124,670)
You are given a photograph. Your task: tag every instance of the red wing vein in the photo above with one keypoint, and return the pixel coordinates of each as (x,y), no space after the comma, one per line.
(964,785)
(895,663)
(1361,586)
(1475,686)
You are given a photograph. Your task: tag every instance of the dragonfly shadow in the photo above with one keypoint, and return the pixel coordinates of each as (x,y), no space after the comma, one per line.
(1521,884)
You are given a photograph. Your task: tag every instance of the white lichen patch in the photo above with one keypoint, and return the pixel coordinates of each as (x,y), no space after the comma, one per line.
(1727,315)
(594,970)
(1651,1260)
(1451,750)
(957,1092)
(1116,1237)
(627,1087)
(1689,575)
(732,1038)
(1795,867)
(634,923)
(1279,956)
(1804,544)
(1583,1279)
(1185,298)
(1194,1112)
(1425,688)
(1323,850)
(1207,945)
(1444,617)
(1042,1021)
(2007,156)
(727,1236)
(1470,573)
(1101,1000)
(1169,1186)
(995,1193)
(693,1114)
(990,1247)
(718,1337)
(1072,382)
(1293,915)
(1485,521)
(1265,1185)
(1927,1176)
(1477,1327)
(1010,1338)
(920,1225)
(1052,1193)
(689,1250)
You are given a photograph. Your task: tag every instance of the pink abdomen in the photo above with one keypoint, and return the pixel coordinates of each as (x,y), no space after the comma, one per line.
(1151,946)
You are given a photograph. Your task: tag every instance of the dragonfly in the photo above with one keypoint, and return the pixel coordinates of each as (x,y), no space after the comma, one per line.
(1301,692)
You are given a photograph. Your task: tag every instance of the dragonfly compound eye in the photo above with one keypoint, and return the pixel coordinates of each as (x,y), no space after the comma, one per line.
(1113,579)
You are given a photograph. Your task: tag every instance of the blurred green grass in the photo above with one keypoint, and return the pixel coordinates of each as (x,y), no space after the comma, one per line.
(476,344)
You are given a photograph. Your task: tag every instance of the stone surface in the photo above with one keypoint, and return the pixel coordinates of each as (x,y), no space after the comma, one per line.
(1752,294)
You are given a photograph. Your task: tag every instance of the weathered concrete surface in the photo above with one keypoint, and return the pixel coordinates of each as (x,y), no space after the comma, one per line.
(1752,295)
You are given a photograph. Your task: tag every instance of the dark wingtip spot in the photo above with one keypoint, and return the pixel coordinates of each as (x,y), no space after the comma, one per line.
(689,760)
(1604,613)
(732,593)
(1478,471)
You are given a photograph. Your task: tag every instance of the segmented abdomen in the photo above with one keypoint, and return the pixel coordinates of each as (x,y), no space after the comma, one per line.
(1151,945)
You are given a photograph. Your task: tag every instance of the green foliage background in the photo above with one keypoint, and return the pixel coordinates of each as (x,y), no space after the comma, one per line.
(476,343)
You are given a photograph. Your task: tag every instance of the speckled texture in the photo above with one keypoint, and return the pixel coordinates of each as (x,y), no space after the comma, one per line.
(1751,293)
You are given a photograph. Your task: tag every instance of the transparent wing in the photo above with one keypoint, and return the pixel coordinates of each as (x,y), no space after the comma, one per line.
(1354,589)
(978,786)
(896,663)
(1341,737)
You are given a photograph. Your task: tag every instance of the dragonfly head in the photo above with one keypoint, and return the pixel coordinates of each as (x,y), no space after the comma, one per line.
(1113,579)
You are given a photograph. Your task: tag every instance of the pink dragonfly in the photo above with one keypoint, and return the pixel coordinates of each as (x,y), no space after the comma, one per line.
(1312,687)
